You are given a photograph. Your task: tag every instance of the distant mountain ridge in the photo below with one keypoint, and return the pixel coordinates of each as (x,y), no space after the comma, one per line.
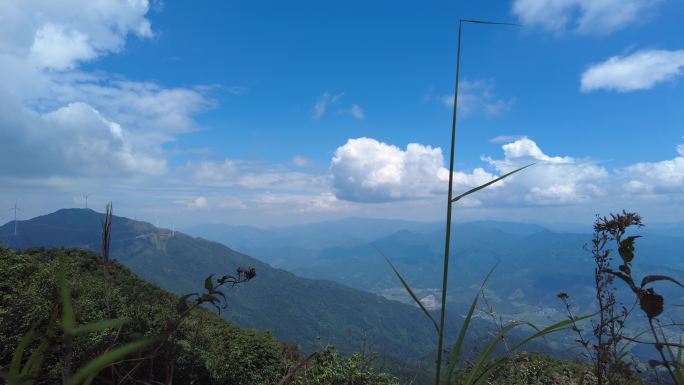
(293,308)
(534,262)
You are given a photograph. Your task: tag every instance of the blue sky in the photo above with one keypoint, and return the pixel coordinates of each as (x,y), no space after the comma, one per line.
(269,112)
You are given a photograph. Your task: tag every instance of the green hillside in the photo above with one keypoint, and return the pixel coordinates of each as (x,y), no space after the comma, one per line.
(206,349)
(292,308)
(201,349)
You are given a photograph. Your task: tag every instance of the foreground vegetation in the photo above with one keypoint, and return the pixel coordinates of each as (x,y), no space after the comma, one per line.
(203,349)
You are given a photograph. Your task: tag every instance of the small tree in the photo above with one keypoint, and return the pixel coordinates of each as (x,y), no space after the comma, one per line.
(608,348)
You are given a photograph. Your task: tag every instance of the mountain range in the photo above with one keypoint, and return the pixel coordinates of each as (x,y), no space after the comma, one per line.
(533,263)
(329,283)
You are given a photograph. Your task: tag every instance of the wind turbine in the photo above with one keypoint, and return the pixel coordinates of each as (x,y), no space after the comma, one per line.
(15,208)
(86,200)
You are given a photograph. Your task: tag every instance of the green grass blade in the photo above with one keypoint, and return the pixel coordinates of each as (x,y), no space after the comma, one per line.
(34,362)
(456,351)
(550,329)
(68,319)
(96,326)
(93,367)
(15,364)
(409,290)
(540,333)
(473,190)
(679,377)
(479,369)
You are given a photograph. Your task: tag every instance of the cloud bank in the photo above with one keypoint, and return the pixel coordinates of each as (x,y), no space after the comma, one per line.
(59,121)
(582,16)
(366,170)
(641,70)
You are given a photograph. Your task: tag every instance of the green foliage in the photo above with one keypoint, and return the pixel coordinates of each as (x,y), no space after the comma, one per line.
(329,368)
(205,349)
(485,363)
(532,369)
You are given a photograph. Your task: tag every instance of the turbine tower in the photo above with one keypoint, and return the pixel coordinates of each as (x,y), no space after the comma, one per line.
(15,208)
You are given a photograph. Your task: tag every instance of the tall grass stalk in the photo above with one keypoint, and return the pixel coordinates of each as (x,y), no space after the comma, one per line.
(483,364)
(450,201)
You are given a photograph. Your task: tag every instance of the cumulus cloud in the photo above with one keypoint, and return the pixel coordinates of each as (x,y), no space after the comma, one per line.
(366,170)
(553,180)
(477,97)
(664,178)
(74,140)
(50,35)
(59,121)
(584,16)
(641,70)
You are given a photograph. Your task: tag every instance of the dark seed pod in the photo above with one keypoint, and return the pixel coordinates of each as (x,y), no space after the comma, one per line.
(651,303)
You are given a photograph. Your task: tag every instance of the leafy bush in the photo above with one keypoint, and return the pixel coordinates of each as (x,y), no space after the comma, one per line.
(329,368)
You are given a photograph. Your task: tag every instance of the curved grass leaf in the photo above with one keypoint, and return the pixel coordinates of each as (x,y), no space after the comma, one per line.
(478,371)
(456,351)
(653,278)
(68,319)
(491,182)
(558,326)
(485,368)
(91,369)
(409,290)
(209,283)
(97,326)
(35,362)
(675,361)
(15,364)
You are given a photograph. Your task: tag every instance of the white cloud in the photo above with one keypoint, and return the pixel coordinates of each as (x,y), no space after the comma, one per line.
(477,97)
(505,138)
(143,106)
(74,140)
(323,102)
(553,180)
(664,178)
(357,112)
(301,203)
(58,121)
(584,16)
(524,149)
(252,175)
(366,170)
(55,48)
(639,71)
(57,35)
